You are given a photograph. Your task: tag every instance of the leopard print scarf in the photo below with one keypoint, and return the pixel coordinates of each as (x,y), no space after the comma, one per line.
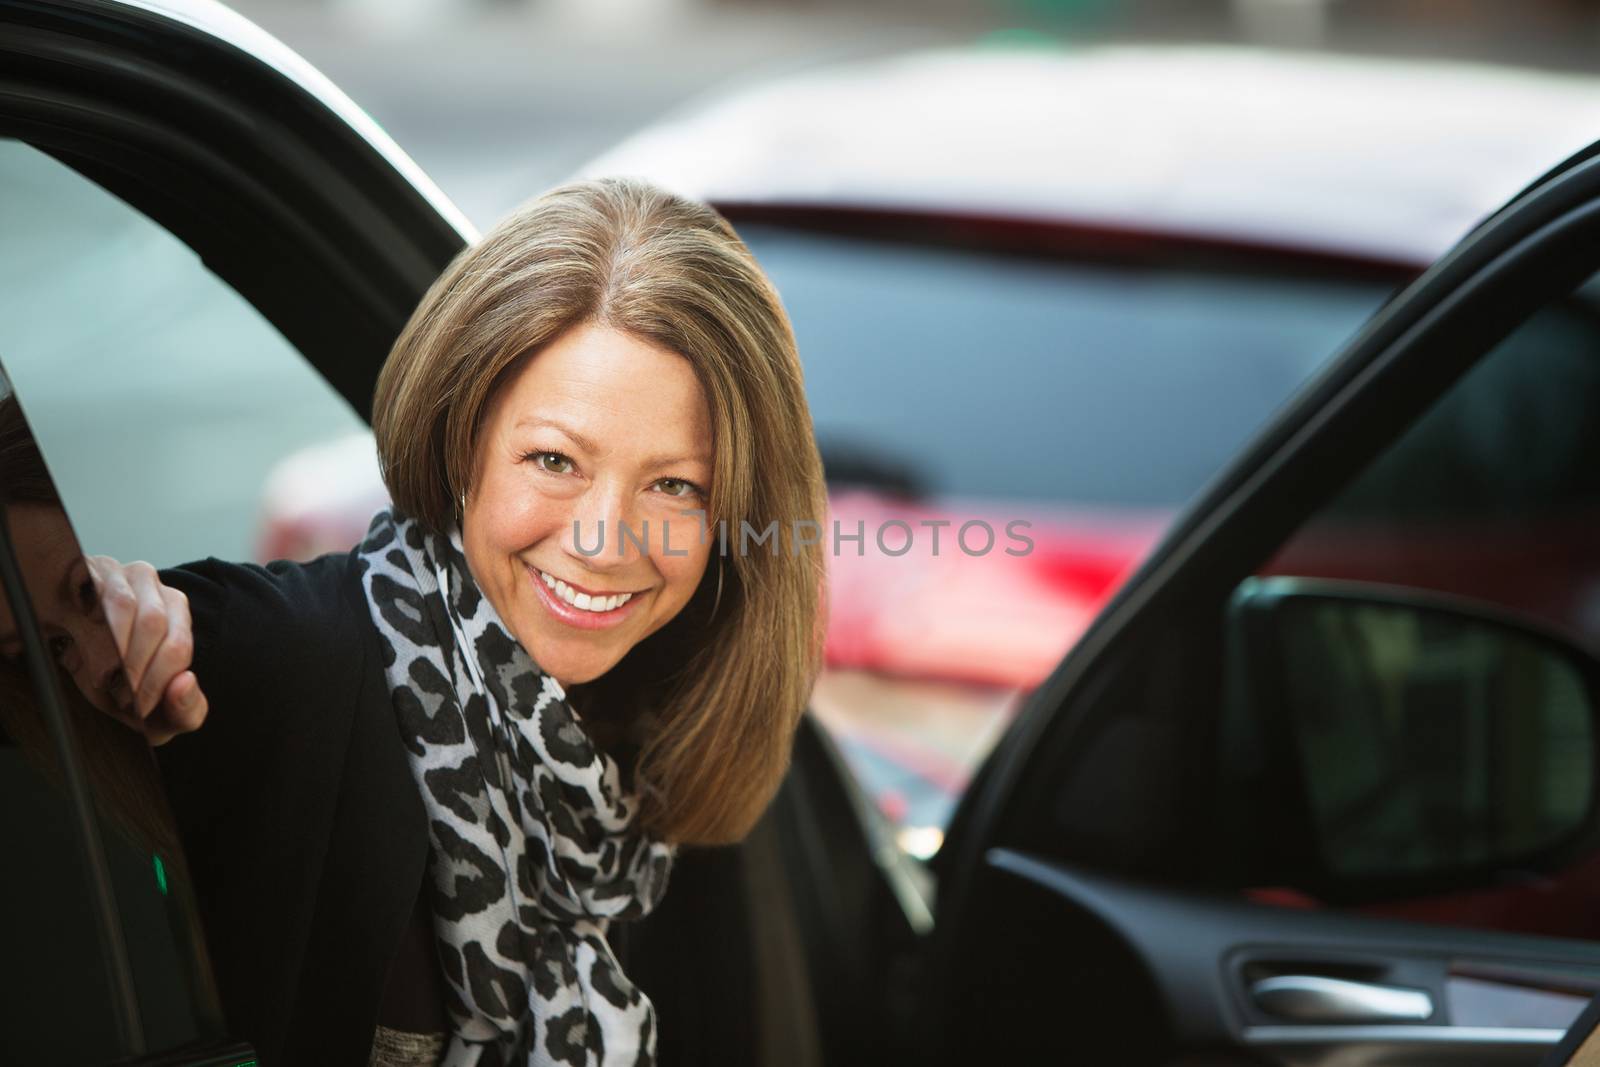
(535,844)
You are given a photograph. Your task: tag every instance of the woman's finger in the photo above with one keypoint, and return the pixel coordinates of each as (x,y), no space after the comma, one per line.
(183,709)
(117,599)
(146,635)
(172,657)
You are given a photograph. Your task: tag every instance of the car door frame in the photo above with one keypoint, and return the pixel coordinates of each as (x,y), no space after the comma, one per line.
(1541,245)
(231,142)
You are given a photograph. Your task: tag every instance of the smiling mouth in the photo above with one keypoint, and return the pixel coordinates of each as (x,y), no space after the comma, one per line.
(593,602)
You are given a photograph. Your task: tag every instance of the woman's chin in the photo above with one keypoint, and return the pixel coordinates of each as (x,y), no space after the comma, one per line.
(573,667)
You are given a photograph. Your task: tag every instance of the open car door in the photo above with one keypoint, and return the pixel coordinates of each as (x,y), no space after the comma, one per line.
(1320,786)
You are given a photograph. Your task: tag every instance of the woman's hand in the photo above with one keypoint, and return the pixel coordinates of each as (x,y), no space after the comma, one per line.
(154,636)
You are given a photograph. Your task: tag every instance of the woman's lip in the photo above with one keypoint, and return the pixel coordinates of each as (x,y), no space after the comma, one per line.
(577,618)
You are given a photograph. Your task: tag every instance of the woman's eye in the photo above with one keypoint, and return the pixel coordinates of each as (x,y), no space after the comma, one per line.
(678,487)
(60,645)
(554,462)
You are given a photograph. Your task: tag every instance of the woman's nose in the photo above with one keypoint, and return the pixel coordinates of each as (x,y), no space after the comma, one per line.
(603,531)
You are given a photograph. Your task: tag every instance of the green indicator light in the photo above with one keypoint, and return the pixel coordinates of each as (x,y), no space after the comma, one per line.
(161,878)
(245,1063)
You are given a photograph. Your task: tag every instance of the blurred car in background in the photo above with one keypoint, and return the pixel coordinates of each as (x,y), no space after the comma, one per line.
(1048,291)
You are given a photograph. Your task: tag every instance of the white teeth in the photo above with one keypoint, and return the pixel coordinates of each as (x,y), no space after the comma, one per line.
(583,601)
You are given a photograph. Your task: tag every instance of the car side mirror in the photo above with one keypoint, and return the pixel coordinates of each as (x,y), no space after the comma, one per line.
(1425,740)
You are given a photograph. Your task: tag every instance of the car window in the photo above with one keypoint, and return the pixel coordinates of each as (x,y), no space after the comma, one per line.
(58,1005)
(1444,746)
(161,397)
(1086,400)
(1493,494)
(62,1012)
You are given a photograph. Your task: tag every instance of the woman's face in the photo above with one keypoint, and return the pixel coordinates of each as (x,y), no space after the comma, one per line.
(598,432)
(65,604)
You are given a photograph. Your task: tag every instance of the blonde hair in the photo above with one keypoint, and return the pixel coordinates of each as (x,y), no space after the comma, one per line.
(714,697)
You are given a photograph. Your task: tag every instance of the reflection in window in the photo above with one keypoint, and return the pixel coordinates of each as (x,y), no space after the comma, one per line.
(65,1010)
(1429,743)
(1494,493)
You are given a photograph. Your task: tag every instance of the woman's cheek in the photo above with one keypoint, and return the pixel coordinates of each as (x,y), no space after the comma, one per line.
(523,520)
(686,519)
(684,573)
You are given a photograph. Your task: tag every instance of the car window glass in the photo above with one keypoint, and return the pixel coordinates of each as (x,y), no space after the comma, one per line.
(1493,494)
(162,399)
(55,1000)
(1086,400)
(1492,499)
(57,1008)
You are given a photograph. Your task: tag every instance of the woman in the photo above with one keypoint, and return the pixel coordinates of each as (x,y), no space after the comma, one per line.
(439,766)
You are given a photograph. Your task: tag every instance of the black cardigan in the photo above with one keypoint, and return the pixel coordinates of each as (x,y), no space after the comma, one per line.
(305,834)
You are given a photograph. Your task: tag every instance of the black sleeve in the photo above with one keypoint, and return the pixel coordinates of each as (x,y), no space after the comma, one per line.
(281,653)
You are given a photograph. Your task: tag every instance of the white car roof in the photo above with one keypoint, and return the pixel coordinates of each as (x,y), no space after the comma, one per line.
(1382,158)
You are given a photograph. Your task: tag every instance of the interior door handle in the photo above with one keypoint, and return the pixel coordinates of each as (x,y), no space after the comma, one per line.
(1309,998)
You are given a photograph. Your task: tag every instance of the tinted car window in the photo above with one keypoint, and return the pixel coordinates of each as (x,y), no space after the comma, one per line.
(55,996)
(1493,494)
(61,965)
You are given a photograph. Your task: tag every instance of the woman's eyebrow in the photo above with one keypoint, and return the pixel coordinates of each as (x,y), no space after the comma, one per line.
(534,420)
(659,460)
(667,459)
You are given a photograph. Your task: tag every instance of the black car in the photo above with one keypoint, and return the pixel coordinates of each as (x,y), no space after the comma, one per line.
(1199,841)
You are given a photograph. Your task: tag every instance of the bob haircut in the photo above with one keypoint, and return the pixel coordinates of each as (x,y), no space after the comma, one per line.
(711,701)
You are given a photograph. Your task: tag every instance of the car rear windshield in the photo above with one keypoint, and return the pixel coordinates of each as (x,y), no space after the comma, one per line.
(956,372)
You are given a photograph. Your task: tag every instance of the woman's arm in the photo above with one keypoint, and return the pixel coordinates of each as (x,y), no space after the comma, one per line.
(154,634)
